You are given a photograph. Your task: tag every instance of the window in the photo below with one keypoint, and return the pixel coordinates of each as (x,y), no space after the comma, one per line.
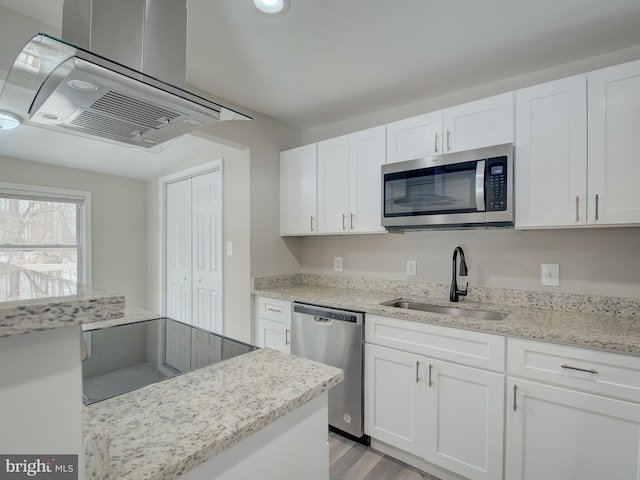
(45,231)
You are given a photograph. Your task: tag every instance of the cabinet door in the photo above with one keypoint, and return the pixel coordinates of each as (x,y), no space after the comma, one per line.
(274,335)
(298,187)
(551,154)
(414,137)
(366,156)
(478,124)
(333,185)
(465,422)
(557,434)
(395,391)
(614,143)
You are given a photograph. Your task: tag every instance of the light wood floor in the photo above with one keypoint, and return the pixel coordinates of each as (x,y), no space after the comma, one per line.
(352,461)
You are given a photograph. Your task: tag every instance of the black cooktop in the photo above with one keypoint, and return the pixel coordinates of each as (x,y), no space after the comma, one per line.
(127,357)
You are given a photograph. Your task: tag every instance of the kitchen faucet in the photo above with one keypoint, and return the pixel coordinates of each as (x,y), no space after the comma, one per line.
(454,293)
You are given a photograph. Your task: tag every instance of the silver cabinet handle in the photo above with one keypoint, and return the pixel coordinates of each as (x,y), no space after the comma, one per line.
(417,372)
(448,140)
(597,206)
(351,221)
(277,310)
(311,222)
(343,219)
(430,368)
(436,143)
(287,341)
(515,391)
(587,370)
(577,208)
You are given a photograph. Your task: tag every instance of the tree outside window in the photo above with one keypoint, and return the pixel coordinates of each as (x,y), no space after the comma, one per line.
(42,236)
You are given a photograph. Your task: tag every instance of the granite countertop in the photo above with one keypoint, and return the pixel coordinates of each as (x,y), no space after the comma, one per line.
(612,332)
(165,429)
(31,301)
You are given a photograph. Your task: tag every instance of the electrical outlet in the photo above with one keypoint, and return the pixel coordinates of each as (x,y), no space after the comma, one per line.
(412,267)
(550,274)
(229,248)
(337,264)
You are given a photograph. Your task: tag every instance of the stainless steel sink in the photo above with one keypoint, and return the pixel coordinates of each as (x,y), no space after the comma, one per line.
(453,311)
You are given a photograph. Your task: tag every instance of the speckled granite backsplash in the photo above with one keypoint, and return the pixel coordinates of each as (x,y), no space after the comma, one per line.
(565,302)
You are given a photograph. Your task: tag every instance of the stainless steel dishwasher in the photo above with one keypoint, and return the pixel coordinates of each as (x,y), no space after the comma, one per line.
(336,338)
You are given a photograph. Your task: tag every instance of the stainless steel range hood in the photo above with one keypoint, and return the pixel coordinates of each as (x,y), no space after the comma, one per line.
(66,87)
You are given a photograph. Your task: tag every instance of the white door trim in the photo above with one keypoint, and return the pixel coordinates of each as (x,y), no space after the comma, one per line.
(212,166)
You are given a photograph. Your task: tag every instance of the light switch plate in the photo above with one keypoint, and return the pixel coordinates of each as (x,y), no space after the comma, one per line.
(337,264)
(229,248)
(550,274)
(412,267)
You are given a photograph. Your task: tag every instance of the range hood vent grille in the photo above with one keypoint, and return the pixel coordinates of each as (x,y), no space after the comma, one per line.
(137,111)
(104,124)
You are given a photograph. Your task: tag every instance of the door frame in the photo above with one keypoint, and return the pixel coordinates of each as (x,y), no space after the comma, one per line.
(212,166)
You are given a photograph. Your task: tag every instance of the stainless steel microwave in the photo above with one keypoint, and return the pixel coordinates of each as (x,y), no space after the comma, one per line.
(457,190)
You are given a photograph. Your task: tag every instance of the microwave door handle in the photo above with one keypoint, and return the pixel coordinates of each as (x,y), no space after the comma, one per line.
(480,185)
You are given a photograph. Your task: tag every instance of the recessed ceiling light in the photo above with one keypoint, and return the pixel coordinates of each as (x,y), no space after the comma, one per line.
(271,6)
(8,120)
(81,85)
(50,117)
(193,122)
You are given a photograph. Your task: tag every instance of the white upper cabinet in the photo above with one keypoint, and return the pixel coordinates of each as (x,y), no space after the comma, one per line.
(333,185)
(298,188)
(614,143)
(349,191)
(551,154)
(366,156)
(414,137)
(478,124)
(576,150)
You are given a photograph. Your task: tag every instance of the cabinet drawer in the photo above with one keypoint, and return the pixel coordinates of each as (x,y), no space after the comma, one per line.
(604,373)
(276,310)
(481,350)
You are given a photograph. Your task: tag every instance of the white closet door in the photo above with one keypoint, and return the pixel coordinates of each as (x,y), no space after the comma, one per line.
(206,251)
(179,250)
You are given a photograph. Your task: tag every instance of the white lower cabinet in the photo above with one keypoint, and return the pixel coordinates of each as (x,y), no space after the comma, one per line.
(273,324)
(465,419)
(559,424)
(395,398)
(558,434)
(448,414)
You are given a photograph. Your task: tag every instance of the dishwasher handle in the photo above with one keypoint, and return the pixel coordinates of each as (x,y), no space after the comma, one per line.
(326,313)
(323,320)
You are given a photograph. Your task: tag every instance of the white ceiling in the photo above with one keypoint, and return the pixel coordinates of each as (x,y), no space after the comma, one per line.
(327,60)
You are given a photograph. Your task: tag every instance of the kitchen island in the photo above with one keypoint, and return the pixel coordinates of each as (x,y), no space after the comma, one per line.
(204,422)
(240,417)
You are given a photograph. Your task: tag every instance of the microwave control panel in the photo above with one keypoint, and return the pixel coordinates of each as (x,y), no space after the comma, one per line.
(496,184)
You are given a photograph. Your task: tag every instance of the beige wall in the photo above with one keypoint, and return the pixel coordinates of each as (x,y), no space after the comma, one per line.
(598,261)
(118,220)
(251,159)
(592,261)
(236,268)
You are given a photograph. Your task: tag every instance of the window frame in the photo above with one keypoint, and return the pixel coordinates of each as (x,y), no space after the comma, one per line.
(82,199)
